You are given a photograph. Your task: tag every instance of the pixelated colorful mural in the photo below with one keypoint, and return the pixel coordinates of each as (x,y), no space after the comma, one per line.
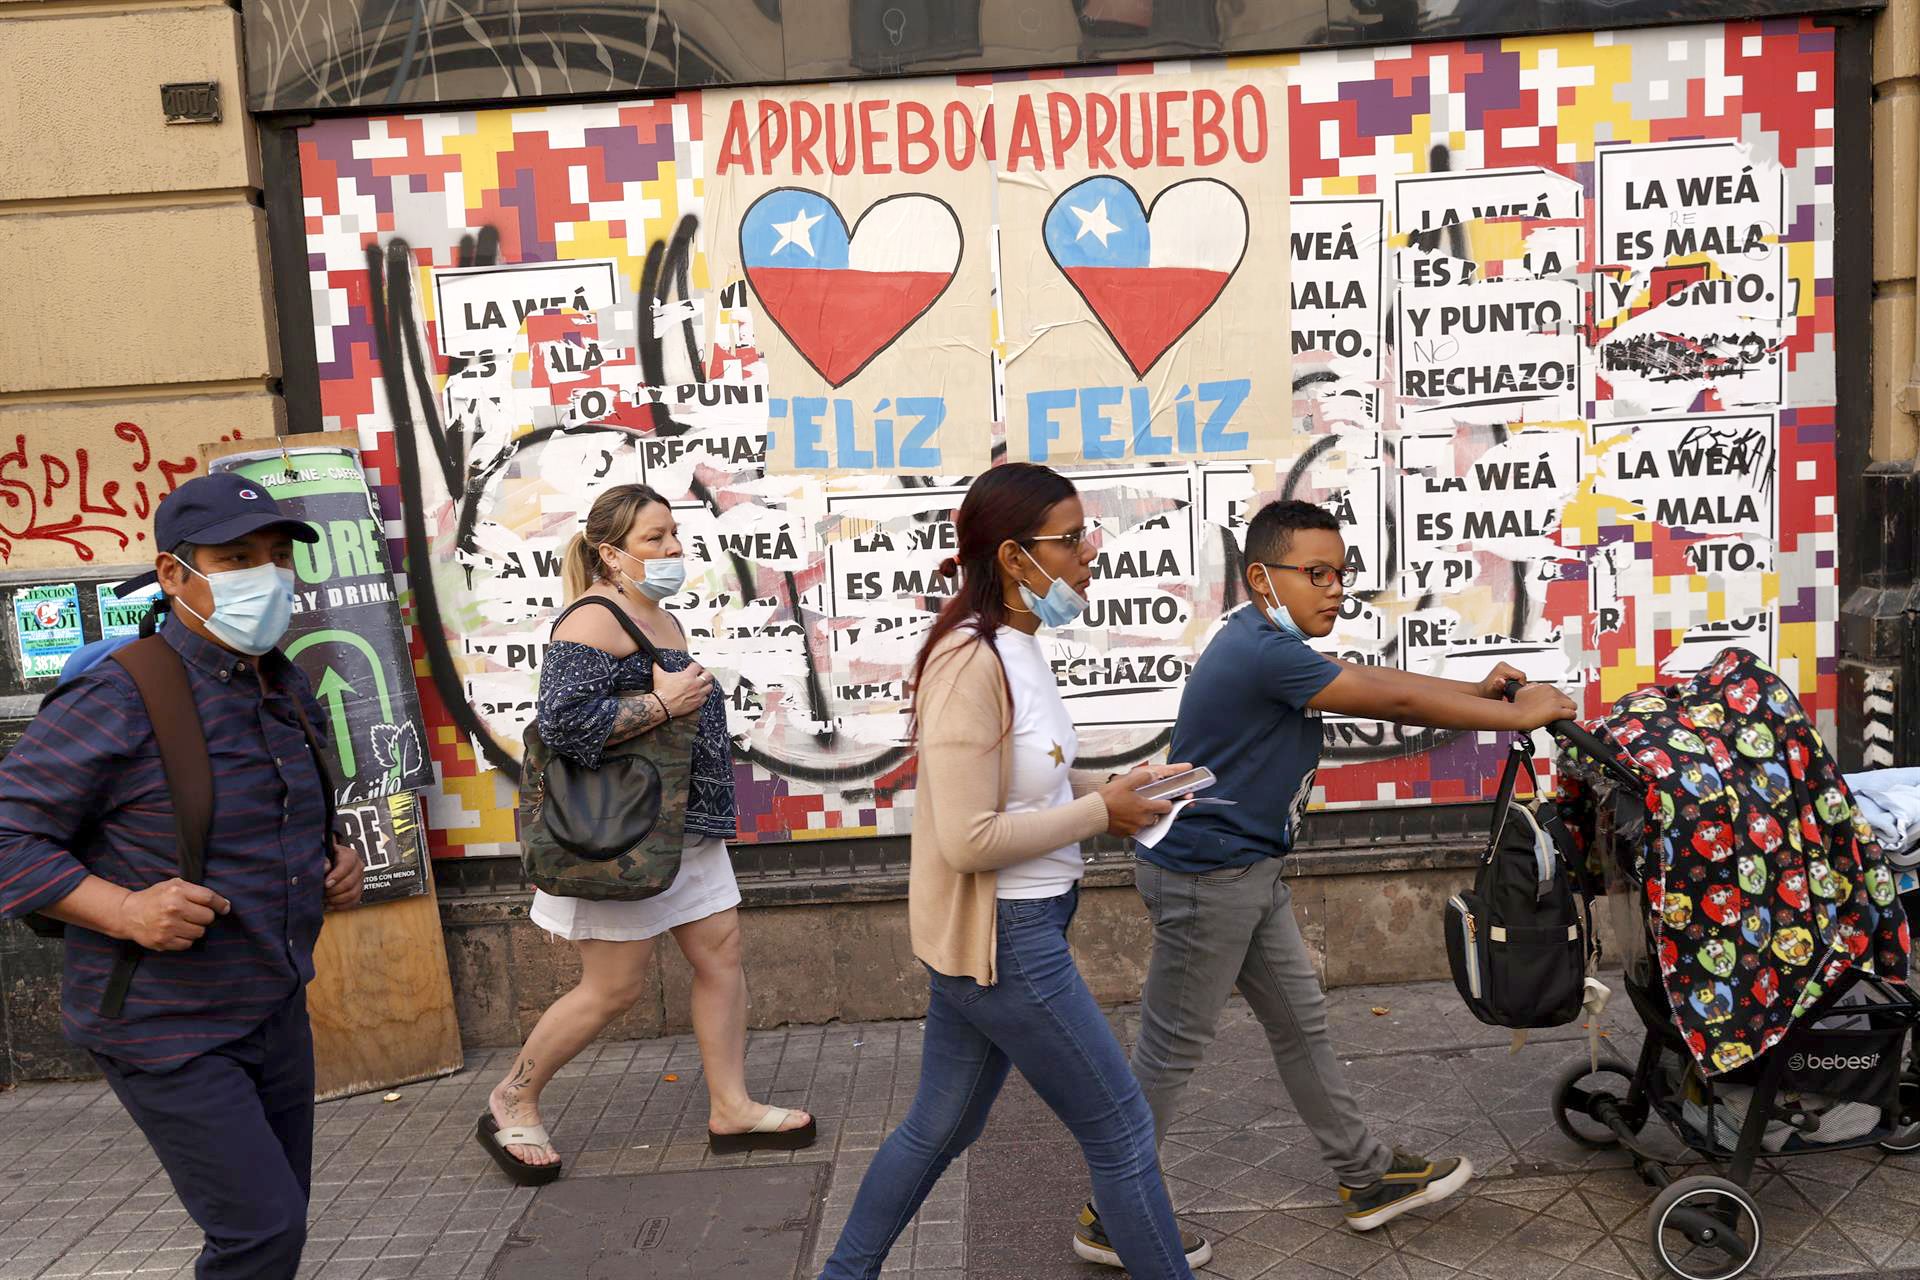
(1561,341)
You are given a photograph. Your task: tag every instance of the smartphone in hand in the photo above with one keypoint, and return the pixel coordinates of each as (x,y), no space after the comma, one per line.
(1177,785)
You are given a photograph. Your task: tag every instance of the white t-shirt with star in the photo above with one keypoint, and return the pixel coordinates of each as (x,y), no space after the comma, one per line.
(1044,745)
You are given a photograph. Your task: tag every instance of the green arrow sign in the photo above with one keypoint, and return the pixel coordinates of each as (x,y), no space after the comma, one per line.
(331,687)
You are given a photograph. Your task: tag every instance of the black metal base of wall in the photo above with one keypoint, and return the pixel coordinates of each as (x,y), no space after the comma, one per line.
(1870,723)
(1880,625)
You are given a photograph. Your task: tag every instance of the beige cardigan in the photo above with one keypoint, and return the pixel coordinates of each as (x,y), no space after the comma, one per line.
(961,834)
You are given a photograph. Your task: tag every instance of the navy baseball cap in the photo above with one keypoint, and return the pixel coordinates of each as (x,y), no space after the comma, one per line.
(221,507)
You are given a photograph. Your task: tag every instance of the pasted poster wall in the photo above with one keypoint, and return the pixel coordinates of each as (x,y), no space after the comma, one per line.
(346,635)
(864,244)
(1554,315)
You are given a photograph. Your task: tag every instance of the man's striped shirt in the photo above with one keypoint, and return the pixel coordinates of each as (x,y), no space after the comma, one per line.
(83,791)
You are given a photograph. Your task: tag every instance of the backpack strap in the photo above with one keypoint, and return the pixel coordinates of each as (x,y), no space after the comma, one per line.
(161,679)
(1546,858)
(1519,759)
(627,624)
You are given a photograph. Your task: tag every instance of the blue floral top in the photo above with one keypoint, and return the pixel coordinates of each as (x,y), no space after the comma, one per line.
(580,688)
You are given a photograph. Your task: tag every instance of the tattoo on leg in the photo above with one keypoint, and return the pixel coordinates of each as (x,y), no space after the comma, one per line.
(521,1077)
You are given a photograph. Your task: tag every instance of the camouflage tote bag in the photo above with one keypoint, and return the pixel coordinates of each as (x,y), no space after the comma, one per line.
(615,832)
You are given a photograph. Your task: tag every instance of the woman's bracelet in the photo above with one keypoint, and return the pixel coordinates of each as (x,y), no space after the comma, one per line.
(663,706)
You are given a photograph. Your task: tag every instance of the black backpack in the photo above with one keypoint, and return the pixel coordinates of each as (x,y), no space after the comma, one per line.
(1520,940)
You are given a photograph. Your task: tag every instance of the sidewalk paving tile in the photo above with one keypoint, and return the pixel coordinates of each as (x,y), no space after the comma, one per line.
(402,1190)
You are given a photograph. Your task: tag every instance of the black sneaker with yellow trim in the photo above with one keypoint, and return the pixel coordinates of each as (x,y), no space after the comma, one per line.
(1091,1243)
(1409,1182)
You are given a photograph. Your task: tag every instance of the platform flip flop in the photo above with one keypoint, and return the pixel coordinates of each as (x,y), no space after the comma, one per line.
(496,1140)
(767,1135)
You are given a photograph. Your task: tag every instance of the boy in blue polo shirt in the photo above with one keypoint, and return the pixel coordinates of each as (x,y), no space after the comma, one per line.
(1221,912)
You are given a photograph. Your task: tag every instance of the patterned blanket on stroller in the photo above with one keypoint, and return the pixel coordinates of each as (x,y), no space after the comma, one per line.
(1763,883)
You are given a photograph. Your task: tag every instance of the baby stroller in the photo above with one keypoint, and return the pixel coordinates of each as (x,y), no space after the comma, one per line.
(1818,1071)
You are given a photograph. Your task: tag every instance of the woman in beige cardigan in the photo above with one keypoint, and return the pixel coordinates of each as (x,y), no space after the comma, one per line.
(997,825)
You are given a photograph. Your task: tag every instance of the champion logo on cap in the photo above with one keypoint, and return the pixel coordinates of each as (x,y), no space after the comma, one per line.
(249,494)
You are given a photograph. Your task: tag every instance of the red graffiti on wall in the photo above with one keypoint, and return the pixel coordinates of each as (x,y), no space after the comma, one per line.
(55,496)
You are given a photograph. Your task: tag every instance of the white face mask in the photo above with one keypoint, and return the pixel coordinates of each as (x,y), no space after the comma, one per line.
(252,608)
(665,575)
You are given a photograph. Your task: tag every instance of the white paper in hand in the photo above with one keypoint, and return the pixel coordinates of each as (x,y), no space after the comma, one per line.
(1148,837)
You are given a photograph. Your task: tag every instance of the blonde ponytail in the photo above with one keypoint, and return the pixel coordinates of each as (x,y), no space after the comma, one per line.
(610,519)
(576,568)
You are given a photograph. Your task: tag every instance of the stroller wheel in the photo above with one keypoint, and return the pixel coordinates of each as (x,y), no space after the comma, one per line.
(1705,1228)
(1580,1100)
(1907,1136)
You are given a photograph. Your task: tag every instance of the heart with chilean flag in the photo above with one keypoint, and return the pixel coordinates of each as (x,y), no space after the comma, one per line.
(842,297)
(1148,273)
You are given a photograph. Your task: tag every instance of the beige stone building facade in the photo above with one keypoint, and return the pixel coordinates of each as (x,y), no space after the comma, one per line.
(139,322)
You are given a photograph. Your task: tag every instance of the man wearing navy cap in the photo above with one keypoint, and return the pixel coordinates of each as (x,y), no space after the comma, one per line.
(210,1050)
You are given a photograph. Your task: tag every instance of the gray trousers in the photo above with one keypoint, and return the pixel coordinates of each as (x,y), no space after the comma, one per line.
(1209,932)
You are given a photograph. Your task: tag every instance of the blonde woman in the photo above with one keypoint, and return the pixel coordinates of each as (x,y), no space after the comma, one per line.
(597,686)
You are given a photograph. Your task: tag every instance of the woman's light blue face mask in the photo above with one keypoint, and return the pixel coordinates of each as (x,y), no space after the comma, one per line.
(1060,606)
(665,575)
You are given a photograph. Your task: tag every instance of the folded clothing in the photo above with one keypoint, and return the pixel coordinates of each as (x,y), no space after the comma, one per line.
(1889,800)
(1799,1121)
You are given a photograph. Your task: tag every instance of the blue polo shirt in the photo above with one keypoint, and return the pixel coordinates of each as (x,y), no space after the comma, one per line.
(1244,715)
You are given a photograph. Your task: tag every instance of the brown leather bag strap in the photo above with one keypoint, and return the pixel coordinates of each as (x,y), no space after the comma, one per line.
(161,677)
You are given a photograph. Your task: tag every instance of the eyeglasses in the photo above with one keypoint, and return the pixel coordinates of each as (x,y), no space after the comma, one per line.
(1323,575)
(1072,541)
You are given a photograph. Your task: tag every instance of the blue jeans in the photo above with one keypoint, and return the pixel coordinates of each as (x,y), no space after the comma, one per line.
(1041,1018)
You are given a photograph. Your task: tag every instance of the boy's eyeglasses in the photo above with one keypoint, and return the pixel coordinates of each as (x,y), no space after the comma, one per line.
(1323,575)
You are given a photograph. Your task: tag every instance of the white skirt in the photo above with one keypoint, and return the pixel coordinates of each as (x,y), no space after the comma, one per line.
(704,887)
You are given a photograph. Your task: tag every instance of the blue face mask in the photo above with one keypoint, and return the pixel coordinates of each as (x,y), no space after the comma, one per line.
(664,576)
(1278,613)
(252,608)
(1060,606)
